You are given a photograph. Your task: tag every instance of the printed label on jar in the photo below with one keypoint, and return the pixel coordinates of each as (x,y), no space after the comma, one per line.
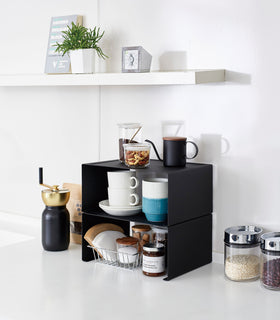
(153,264)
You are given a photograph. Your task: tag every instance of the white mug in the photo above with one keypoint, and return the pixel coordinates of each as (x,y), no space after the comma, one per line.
(155,188)
(122,179)
(122,197)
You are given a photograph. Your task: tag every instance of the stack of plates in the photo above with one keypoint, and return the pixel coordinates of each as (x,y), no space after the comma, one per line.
(102,237)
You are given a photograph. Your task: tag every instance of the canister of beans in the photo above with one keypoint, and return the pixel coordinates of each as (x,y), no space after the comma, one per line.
(270,260)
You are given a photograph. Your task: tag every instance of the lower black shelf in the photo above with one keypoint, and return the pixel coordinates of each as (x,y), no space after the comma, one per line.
(189,244)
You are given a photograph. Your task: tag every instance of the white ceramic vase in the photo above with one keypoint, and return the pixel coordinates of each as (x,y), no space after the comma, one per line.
(82,60)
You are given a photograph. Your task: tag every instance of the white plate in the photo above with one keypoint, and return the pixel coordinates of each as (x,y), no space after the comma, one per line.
(119,211)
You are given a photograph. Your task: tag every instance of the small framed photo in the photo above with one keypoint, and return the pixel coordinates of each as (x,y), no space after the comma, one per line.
(136,59)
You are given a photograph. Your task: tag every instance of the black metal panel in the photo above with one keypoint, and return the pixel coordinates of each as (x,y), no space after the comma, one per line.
(189,246)
(189,194)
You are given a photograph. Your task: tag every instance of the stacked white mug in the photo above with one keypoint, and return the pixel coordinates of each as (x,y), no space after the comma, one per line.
(121,188)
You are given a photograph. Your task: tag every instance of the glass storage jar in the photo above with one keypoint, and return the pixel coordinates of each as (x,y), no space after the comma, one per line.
(159,235)
(142,232)
(270,260)
(242,253)
(128,133)
(127,248)
(137,155)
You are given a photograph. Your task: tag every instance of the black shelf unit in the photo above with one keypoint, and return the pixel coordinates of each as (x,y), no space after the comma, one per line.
(190,204)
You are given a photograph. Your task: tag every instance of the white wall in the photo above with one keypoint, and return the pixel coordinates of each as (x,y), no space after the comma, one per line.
(53,127)
(58,127)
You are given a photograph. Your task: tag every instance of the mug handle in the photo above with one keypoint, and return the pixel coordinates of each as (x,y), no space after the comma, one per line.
(136,199)
(196,149)
(136,182)
(227,146)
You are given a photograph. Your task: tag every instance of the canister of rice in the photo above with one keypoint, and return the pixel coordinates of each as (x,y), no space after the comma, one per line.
(242,253)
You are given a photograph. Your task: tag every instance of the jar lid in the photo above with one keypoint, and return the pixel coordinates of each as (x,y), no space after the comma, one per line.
(175,138)
(141,228)
(160,230)
(129,125)
(127,241)
(243,235)
(136,146)
(151,247)
(270,241)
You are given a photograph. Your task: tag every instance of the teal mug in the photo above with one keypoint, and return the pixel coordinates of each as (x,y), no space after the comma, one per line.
(155,199)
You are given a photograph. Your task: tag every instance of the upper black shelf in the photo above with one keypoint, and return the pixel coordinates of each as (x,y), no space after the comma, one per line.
(189,189)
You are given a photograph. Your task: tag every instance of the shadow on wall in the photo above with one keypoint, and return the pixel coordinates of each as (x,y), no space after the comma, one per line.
(212,146)
(237,77)
(111,46)
(173,61)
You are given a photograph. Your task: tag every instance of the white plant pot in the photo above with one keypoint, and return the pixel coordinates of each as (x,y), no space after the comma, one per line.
(82,60)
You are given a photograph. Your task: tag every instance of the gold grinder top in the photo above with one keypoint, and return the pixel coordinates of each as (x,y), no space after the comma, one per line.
(53,196)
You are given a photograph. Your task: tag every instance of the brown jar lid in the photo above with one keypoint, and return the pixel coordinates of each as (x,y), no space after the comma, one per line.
(175,138)
(141,228)
(127,241)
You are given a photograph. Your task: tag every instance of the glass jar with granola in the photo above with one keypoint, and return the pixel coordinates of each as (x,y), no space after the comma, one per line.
(137,155)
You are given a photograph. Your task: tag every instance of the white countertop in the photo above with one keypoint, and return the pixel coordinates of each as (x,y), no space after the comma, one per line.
(36,284)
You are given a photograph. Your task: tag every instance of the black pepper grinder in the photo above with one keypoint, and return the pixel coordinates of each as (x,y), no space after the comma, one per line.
(55,217)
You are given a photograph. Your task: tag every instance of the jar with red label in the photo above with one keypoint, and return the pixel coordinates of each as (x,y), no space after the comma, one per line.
(153,260)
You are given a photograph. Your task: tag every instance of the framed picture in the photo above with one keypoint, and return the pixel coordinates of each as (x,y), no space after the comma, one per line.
(136,59)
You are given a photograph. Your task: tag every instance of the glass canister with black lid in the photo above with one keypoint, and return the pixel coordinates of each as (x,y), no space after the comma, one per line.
(242,253)
(270,260)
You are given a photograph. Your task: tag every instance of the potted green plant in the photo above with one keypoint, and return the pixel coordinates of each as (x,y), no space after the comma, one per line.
(81,43)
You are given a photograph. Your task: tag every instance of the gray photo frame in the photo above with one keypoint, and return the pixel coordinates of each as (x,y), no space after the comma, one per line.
(136,59)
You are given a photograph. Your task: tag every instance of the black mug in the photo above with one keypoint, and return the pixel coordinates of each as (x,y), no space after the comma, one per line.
(175,151)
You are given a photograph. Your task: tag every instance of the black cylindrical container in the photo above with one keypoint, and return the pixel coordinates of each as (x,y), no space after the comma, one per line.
(55,219)
(174,151)
(55,228)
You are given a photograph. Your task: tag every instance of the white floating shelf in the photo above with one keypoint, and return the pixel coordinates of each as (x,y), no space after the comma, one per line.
(114,79)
